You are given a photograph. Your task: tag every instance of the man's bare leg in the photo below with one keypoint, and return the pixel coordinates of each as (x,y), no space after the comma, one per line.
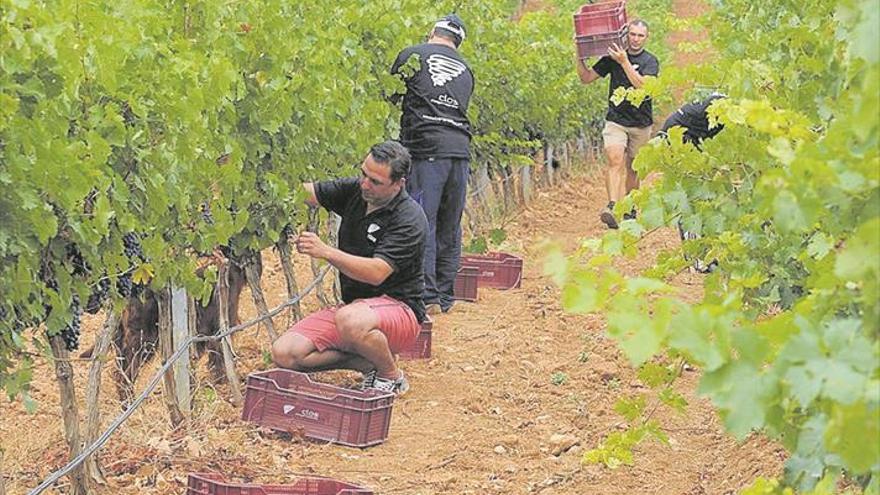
(357,324)
(296,352)
(615,182)
(632,177)
(616,173)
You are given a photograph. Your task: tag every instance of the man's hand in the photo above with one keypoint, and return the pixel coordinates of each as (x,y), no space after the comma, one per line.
(309,243)
(618,54)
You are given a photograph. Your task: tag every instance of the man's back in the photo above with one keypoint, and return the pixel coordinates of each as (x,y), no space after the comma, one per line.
(694,119)
(434,121)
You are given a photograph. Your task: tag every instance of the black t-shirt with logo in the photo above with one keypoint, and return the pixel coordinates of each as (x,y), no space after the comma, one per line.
(626,114)
(394,233)
(434,121)
(695,120)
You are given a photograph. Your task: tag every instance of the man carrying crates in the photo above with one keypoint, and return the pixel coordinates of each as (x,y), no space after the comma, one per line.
(627,127)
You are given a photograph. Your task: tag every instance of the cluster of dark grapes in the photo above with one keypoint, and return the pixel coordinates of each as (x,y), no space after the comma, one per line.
(132,244)
(70,332)
(206,213)
(80,267)
(17,322)
(124,285)
(98,295)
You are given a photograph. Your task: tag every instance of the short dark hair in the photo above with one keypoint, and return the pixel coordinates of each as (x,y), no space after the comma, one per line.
(640,22)
(395,155)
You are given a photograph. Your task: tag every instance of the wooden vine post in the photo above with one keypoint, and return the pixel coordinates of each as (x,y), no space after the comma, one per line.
(93,393)
(525,181)
(180,331)
(166,349)
(507,188)
(225,343)
(548,165)
(69,412)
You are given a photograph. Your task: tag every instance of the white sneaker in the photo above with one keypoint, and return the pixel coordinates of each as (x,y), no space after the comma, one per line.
(368,380)
(396,387)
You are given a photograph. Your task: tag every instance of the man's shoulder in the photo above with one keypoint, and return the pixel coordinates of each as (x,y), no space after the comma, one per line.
(649,56)
(335,189)
(409,211)
(420,48)
(343,182)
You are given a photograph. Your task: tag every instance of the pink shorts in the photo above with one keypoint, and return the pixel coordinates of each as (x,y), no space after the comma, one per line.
(396,321)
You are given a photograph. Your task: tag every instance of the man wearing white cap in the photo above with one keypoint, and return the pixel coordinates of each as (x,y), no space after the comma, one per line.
(435,128)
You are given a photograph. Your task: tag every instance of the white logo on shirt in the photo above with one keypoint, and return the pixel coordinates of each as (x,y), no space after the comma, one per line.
(445,100)
(444,69)
(372,228)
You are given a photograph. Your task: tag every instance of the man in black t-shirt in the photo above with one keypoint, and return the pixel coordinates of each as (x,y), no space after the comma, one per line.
(627,127)
(381,245)
(435,127)
(693,117)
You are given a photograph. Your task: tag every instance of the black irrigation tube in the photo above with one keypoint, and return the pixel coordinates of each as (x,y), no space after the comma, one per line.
(57,475)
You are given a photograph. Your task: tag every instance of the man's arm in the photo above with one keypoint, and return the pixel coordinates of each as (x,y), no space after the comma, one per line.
(311,197)
(619,56)
(586,74)
(371,271)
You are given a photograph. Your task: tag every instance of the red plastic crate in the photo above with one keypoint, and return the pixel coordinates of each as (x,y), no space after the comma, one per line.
(597,46)
(213,484)
(497,270)
(290,401)
(421,348)
(600,18)
(466,282)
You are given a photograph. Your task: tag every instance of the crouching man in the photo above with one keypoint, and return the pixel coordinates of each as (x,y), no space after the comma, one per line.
(379,258)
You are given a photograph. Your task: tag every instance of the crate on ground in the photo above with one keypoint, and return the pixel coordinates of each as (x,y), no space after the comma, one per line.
(421,348)
(597,46)
(290,401)
(496,270)
(600,18)
(214,484)
(466,283)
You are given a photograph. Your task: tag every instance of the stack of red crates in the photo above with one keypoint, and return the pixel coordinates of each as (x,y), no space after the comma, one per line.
(598,25)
